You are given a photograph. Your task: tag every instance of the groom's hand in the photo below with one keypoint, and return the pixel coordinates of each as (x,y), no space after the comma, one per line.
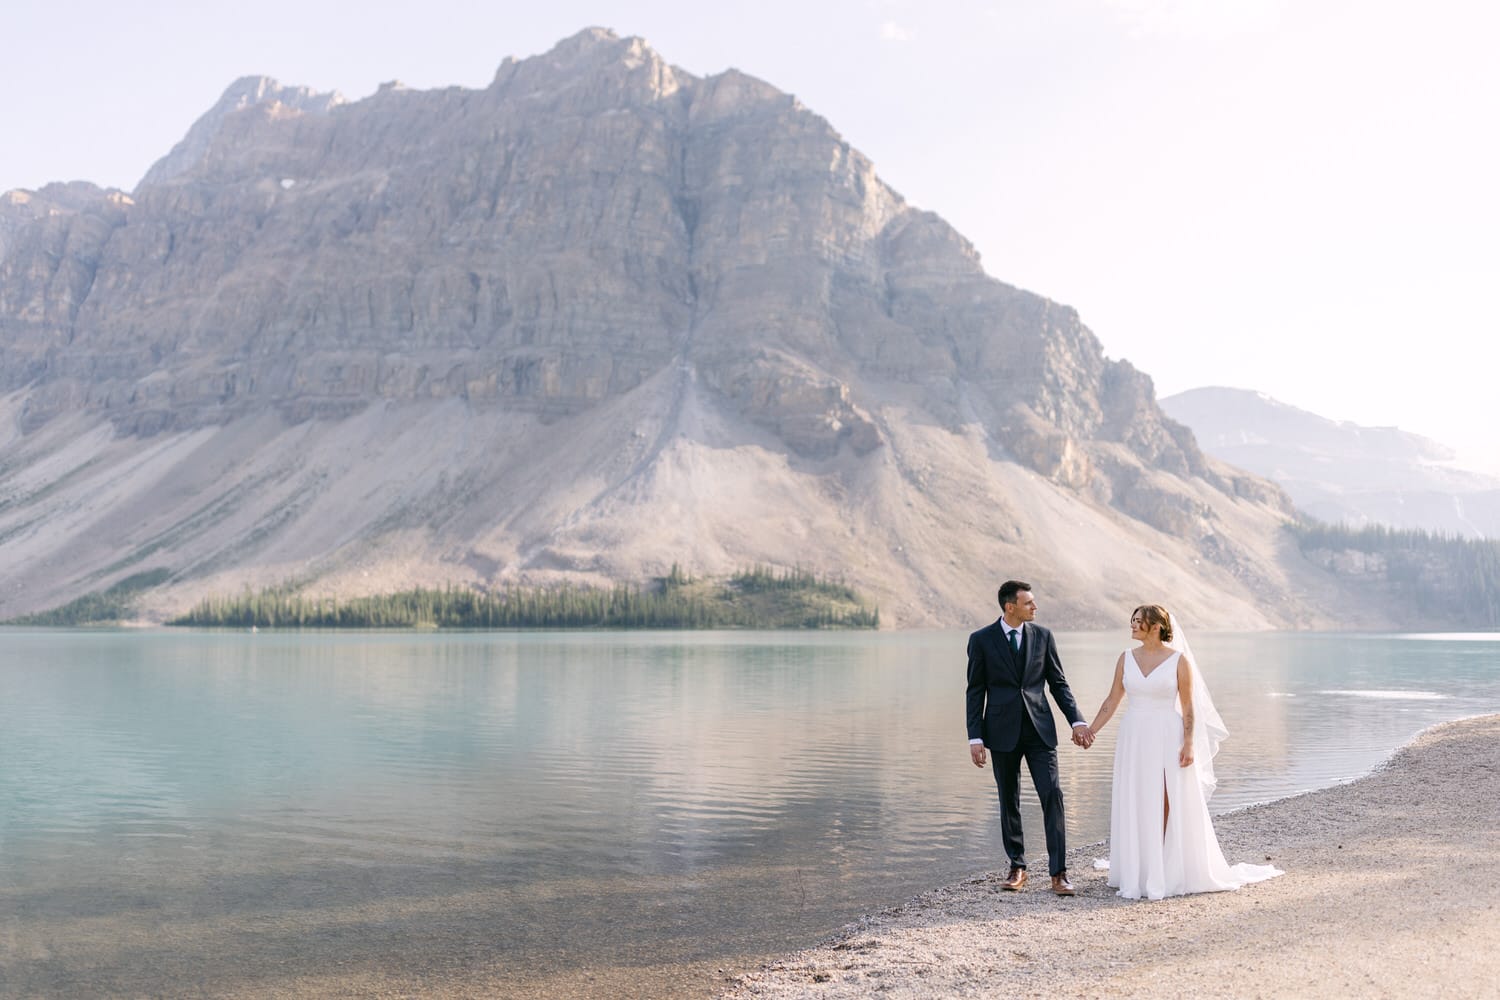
(976,754)
(1083,736)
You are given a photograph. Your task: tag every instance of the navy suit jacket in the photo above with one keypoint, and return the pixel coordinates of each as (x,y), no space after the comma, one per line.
(1004,683)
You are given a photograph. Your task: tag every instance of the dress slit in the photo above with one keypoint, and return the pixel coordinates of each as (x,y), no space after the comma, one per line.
(1166,806)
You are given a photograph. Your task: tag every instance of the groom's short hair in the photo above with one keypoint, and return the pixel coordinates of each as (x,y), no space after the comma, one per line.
(1008,591)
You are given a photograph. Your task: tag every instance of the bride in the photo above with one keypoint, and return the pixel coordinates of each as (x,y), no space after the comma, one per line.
(1161,840)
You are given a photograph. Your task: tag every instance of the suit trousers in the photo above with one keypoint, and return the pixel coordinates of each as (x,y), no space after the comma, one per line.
(1041,761)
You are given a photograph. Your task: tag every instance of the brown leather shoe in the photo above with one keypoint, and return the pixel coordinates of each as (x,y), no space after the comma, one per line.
(1015,880)
(1062,886)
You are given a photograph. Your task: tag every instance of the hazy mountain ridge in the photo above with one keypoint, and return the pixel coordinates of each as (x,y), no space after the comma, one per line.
(246,92)
(598,318)
(1340,472)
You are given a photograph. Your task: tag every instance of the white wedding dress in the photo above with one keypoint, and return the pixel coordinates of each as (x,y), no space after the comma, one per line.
(1142,861)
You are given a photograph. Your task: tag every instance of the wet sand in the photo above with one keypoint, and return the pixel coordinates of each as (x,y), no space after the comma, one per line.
(1390,890)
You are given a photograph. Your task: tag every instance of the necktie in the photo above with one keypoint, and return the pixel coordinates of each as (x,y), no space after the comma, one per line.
(1015,640)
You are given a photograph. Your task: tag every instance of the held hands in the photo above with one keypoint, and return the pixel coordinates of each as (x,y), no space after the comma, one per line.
(1082,735)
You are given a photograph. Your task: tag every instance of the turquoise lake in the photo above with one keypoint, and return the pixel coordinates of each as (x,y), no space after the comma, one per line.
(217,812)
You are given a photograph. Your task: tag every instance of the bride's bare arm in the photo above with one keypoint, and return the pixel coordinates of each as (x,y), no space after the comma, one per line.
(1185,700)
(1111,700)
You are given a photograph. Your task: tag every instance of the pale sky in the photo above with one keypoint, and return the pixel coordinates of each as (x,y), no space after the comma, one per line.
(1293,196)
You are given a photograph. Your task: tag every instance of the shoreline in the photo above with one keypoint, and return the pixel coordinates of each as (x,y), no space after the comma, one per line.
(1387,891)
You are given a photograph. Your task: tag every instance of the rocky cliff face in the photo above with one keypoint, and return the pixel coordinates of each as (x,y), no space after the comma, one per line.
(246,92)
(638,317)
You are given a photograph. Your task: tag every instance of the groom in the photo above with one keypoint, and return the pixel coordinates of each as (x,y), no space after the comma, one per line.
(1010,664)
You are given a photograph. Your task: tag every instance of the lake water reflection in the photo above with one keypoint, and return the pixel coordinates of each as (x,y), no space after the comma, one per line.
(549,811)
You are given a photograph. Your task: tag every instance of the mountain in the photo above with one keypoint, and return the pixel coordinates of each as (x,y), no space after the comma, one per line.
(597,318)
(1340,472)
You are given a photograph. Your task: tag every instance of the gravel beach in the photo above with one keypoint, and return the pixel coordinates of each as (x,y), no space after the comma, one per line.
(1390,890)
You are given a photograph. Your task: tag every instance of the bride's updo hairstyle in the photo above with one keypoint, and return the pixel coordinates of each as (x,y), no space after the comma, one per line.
(1155,614)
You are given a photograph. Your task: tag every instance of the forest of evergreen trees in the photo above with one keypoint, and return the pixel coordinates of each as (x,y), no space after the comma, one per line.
(1441,575)
(113,605)
(754,598)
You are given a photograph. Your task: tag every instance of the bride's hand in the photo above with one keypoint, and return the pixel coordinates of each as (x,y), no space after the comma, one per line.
(1185,756)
